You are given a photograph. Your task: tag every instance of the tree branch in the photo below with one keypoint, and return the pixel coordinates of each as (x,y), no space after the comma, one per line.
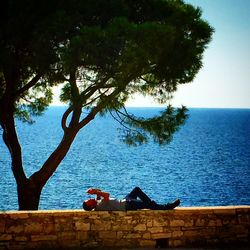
(97,97)
(98,108)
(51,164)
(121,121)
(11,140)
(126,114)
(70,132)
(29,85)
(87,93)
(65,117)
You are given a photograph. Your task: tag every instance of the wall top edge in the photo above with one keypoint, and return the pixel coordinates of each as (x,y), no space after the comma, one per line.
(176,210)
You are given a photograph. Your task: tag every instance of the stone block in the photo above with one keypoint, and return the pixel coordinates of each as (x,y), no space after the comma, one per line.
(107,235)
(240,229)
(63,220)
(177,234)
(21,238)
(140,227)
(192,233)
(155,230)
(43,237)
(19,215)
(15,229)
(121,234)
(208,232)
(100,226)
(2,226)
(33,228)
(226,221)
(160,223)
(200,222)
(5,237)
(64,227)
(242,218)
(161,235)
(146,236)
(149,223)
(82,236)
(147,243)
(214,223)
(70,235)
(69,244)
(93,216)
(243,209)
(183,229)
(177,243)
(82,226)
(127,243)
(122,227)
(177,223)
(132,236)
(106,214)
(109,242)
(128,216)
(188,222)
(49,228)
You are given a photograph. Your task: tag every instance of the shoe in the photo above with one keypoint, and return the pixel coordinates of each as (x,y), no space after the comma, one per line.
(173,205)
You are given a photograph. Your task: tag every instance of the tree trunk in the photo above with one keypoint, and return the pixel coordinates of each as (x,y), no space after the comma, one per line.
(28,195)
(29,189)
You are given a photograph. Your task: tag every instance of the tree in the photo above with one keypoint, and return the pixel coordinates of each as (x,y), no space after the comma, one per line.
(101,52)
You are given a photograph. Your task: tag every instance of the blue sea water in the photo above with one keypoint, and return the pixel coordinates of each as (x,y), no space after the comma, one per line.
(206,164)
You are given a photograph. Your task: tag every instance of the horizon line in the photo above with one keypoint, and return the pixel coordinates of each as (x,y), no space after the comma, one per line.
(193,107)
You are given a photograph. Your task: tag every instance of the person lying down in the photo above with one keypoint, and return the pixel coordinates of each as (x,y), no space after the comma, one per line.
(135,200)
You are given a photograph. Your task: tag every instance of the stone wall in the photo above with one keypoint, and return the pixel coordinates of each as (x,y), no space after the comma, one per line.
(145,228)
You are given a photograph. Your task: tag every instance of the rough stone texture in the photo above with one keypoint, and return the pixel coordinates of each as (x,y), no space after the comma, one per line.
(182,227)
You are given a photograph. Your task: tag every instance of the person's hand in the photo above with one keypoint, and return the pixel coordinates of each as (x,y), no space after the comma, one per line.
(93,190)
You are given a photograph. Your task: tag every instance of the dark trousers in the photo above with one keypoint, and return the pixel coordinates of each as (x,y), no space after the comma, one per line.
(137,199)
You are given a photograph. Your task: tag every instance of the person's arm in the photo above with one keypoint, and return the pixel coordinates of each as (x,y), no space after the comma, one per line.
(98,192)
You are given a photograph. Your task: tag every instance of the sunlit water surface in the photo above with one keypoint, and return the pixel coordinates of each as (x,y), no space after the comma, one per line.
(206,164)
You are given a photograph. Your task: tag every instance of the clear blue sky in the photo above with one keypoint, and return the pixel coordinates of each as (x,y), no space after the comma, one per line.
(224,80)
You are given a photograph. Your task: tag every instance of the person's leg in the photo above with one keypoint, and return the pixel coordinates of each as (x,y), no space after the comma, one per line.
(138,193)
(132,203)
(155,206)
(135,204)
(172,205)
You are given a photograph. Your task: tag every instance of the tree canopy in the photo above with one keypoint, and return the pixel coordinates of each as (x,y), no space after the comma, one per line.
(100,53)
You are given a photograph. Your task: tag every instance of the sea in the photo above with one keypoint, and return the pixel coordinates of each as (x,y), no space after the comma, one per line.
(206,164)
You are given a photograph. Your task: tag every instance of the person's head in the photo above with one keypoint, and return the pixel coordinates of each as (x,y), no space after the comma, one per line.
(89,205)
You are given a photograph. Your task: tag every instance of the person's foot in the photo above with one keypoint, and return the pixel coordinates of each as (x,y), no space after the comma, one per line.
(173,205)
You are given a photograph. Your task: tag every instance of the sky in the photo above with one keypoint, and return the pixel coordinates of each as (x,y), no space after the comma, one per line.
(224,80)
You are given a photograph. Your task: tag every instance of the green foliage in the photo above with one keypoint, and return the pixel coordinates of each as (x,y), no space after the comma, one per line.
(161,128)
(101,52)
(34,104)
